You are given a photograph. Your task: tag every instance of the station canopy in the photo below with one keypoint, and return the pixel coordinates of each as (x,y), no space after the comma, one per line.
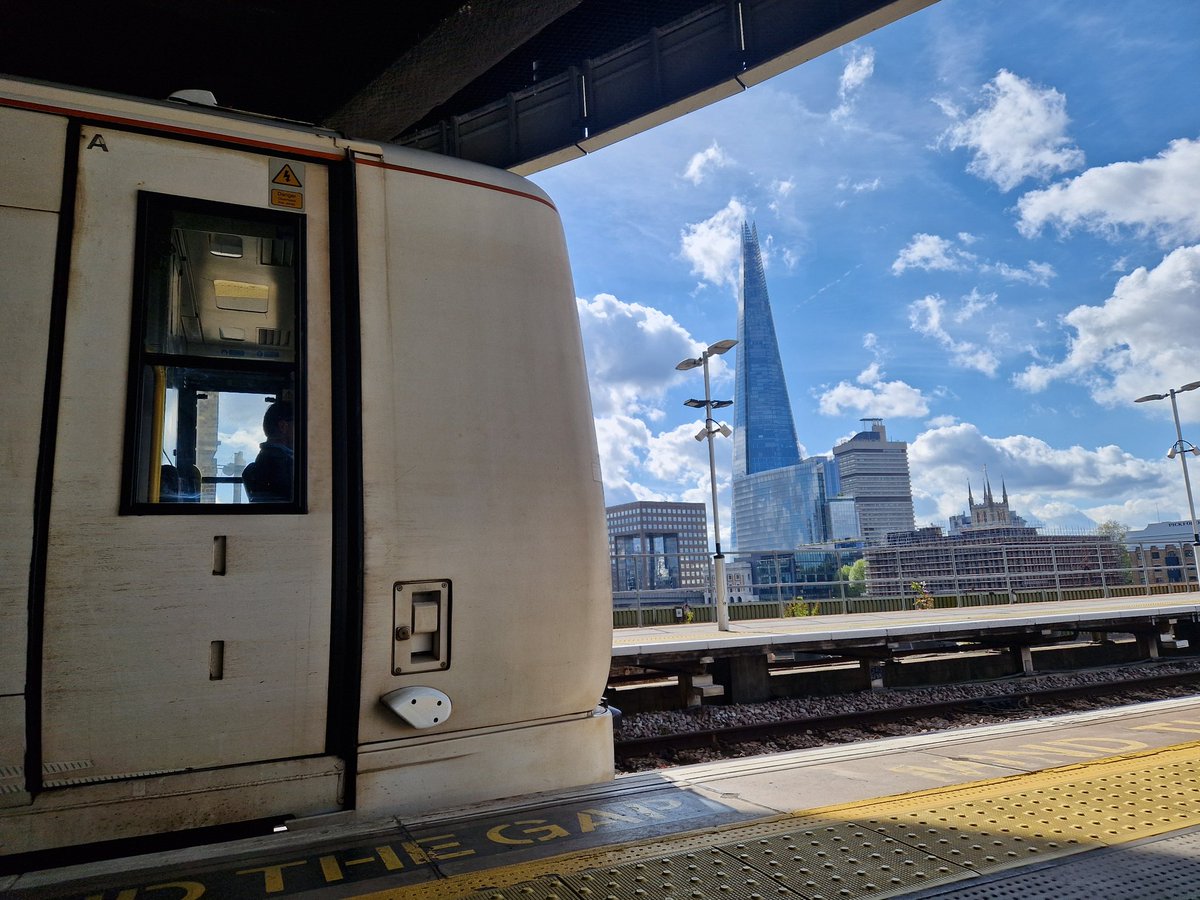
(519,84)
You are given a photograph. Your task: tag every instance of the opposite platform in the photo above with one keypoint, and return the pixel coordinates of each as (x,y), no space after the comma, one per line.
(831,631)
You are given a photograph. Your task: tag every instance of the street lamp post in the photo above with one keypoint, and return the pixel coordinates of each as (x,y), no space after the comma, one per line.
(1182,448)
(712,428)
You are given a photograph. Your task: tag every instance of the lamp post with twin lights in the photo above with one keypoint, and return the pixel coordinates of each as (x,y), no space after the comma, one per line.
(711,427)
(1182,448)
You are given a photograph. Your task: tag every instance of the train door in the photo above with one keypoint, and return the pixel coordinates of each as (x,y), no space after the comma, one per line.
(188,567)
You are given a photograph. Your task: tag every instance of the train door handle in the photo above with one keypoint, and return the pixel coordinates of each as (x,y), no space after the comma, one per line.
(420,626)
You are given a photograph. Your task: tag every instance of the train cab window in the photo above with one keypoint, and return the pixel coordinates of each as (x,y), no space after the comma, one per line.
(216,374)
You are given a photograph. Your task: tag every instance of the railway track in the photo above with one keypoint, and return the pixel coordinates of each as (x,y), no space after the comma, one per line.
(718,739)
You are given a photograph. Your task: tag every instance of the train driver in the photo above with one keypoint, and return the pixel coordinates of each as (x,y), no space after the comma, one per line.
(269,478)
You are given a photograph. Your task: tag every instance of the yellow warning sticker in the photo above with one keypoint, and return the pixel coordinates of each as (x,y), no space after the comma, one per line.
(287,177)
(286,183)
(288,199)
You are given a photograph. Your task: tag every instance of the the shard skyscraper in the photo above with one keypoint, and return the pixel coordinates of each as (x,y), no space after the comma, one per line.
(779,499)
(764,432)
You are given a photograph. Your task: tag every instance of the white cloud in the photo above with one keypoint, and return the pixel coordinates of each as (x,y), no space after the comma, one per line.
(931,253)
(622,442)
(1059,486)
(973,303)
(705,161)
(857,73)
(873,397)
(859,187)
(934,253)
(925,317)
(1144,339)
(1018,132)
(714,246)
(1159,196)
(1032,273)
(631,353)
(674,461)
(872,374)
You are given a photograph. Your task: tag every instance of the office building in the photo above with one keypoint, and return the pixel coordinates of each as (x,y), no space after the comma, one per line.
(782,509)
(1164,552)
(874,471)
(657,546)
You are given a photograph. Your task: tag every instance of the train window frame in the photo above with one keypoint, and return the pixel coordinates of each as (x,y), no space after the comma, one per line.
(274,375)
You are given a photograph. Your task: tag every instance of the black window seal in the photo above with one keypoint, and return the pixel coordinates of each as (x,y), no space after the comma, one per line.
(149,203)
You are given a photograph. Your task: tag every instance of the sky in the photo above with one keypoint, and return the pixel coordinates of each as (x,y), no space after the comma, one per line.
(980,223)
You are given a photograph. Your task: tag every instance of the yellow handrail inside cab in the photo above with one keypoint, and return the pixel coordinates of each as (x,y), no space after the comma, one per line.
(156,432)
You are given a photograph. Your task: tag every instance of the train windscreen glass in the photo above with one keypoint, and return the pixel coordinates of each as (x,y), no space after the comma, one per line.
(215,379)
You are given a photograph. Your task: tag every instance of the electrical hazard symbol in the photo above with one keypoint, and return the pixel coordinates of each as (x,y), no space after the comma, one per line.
(287,177)
(286,188)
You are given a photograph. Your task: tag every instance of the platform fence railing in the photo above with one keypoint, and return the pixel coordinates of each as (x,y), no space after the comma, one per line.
(676,588)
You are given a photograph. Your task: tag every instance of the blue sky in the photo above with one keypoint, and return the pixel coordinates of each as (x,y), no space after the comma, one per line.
(980,223)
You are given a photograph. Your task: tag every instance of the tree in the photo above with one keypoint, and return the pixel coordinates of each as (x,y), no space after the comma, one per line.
(1113,530)
(855,574)
(1118,533)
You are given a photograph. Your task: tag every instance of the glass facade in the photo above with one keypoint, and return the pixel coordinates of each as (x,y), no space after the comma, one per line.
(657,546)
(779,500)
(781,509)
(843,519)
(764,435)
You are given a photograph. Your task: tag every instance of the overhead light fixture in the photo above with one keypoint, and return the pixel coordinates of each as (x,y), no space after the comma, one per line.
(1182,448)
(707,432)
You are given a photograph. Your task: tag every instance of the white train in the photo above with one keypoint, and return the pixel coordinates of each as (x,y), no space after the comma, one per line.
(422,618)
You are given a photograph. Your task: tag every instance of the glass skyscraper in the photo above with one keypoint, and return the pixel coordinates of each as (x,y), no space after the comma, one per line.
(764,436)
(780,501)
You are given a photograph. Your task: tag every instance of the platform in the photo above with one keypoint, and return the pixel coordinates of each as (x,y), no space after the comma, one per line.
(835,631)
(1101,804)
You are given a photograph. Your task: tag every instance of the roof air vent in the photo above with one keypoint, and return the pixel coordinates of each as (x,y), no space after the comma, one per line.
(197,97)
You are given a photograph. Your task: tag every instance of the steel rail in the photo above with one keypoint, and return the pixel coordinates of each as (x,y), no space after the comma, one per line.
(717,738)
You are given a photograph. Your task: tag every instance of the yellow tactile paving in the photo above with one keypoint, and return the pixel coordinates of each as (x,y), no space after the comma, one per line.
(874,848)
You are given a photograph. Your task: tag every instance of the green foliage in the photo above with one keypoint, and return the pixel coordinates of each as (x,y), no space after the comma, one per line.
(1118,533)
(799,608)
(1113,530)
(855,576)
(924,599)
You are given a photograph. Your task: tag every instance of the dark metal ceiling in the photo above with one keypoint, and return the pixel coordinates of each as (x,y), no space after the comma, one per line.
(521,84)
